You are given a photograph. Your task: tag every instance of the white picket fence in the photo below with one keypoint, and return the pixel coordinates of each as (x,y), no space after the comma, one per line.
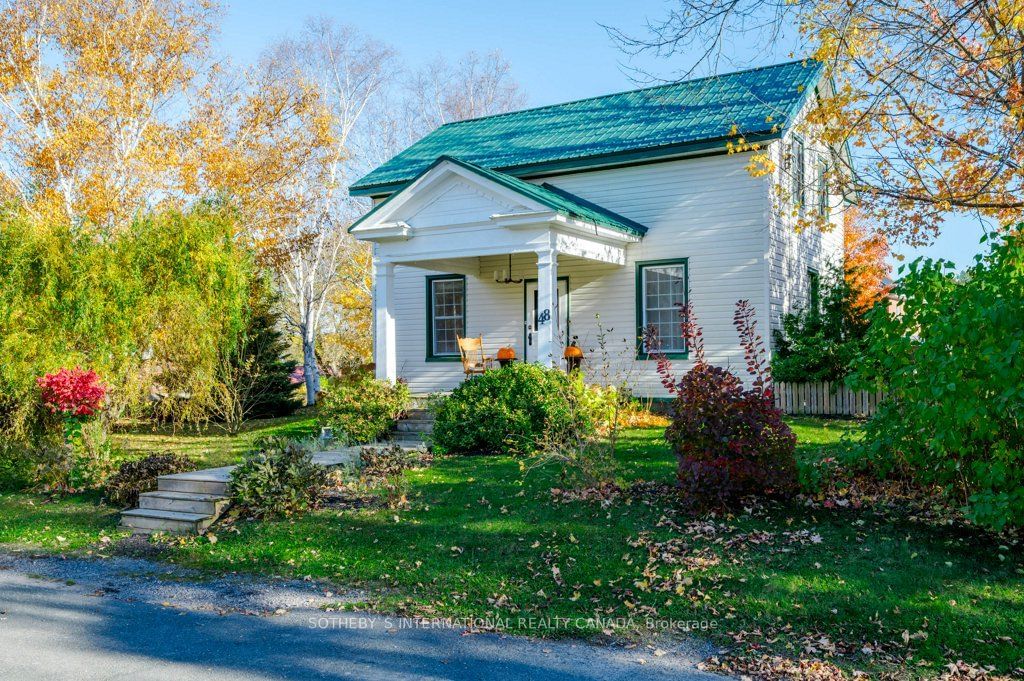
(825,399)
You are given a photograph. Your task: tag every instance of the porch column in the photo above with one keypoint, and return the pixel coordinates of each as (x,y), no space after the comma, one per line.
(547,307)
(384,320)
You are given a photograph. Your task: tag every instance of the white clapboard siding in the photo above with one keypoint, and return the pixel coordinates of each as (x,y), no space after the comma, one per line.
(825,399)
(793,252)
(709,210)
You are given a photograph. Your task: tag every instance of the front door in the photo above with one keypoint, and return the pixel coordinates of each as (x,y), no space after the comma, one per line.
(532,317)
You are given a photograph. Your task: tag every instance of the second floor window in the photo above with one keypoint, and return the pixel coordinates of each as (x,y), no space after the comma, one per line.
(824,207)
(796,171)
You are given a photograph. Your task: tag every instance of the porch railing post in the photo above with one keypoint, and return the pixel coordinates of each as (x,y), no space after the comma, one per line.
(384,320)
(547,307)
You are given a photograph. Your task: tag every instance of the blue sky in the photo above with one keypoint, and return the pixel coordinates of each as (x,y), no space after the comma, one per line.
(558,51)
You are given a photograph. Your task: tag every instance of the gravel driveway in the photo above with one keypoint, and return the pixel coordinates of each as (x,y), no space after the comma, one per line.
(132,618)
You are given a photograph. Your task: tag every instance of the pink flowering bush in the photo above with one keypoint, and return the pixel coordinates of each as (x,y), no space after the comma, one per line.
(72,392)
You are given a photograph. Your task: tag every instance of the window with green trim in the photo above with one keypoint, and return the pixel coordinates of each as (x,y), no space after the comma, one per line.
(796,164)
(446,314)
(824,208)
(814,291)
(661,290)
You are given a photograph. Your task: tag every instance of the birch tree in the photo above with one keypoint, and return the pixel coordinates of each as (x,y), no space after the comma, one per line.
(347,71)
(475,85)
(93,110)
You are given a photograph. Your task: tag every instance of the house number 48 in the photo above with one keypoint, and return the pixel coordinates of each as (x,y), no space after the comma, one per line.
(544,317)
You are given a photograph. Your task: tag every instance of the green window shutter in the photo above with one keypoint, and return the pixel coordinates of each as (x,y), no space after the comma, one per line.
(814,291)
(824,209)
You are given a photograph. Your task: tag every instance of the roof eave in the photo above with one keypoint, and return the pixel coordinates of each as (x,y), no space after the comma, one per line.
(617,159)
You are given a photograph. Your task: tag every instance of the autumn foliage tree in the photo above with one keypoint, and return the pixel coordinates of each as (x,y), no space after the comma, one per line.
(93,111)
(927,97)
(114,109)
(866,266)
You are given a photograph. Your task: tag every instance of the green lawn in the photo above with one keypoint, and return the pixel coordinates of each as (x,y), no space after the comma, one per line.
(67,524)
(210,445)
(81,520)
(482,540)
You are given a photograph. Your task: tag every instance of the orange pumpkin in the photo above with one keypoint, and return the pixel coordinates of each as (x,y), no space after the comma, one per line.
(505,354)
(573,352)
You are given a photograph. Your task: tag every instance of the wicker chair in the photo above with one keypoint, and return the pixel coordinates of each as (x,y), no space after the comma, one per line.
(474,361)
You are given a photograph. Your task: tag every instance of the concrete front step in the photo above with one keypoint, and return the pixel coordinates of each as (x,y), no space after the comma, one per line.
(148,521)
(417,426)
(413,428)
(185,502)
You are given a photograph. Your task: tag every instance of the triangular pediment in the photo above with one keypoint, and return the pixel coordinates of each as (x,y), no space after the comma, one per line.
(446,196)
(456,201)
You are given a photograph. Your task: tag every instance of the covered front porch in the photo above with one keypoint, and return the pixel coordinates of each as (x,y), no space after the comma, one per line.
(464,251)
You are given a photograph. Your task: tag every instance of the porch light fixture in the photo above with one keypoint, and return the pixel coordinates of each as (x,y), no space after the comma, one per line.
(505,276)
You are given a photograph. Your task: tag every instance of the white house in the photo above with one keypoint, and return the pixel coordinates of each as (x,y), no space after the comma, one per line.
(536,227)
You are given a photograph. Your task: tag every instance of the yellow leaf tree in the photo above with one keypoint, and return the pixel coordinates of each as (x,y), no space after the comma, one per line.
(278,145)
(925,99)
(93,103)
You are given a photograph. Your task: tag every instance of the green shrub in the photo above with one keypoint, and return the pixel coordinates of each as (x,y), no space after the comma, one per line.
(15,466)
(952,364)
(506,411)
(279,479)
(362,410)
(167,292)
(600,405)
(824,344)
(93,455)
(135,477)
(582,444)
(384,468)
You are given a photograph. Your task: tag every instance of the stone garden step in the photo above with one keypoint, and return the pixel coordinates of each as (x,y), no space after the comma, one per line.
(147,521)
(408,440)
(209,481)
(188,503)
(192,486)
(415,426)
(210,504)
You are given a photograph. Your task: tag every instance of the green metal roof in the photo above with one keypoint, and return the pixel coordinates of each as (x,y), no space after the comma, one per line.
(556,199)
(657,121)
